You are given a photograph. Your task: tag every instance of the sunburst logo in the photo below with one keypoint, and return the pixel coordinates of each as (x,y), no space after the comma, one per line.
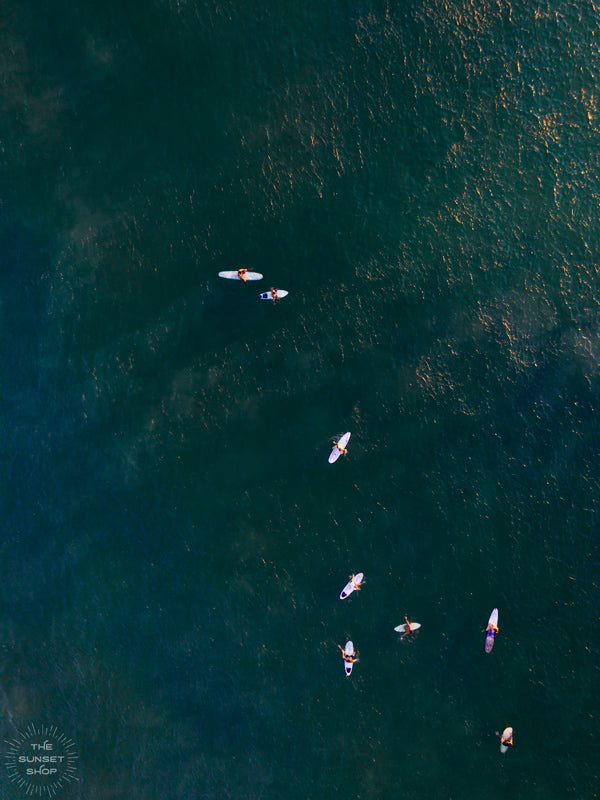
(41,761)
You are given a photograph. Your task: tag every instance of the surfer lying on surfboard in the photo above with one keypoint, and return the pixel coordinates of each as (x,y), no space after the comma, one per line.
(242,274)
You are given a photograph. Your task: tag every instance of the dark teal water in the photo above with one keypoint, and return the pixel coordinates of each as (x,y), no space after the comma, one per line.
(424,180)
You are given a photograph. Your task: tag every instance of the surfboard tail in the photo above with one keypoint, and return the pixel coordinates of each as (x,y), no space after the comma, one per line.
(489,641)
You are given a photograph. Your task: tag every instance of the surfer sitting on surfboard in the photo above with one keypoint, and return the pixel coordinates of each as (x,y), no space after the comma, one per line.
(242,274)
(356,586)
(408,627)
(347,657)
(343,450)
(493,628)
(273,293)
(507,737)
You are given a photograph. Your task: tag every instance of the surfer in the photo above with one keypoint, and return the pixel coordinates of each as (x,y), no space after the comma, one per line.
(356,586)
(343,450)
(506,737)
(491,631)
(242,274)
(408,627)
(339,447)
(351,659)
(507,740)
(273,293)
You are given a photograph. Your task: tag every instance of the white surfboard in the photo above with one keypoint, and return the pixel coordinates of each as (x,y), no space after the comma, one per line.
(414,626)
(506,734)
(352,585)
(341,443)
(490,633)
(268,296)
(232,275)
(349,650)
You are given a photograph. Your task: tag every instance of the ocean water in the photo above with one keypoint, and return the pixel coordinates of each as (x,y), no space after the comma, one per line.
(423,178)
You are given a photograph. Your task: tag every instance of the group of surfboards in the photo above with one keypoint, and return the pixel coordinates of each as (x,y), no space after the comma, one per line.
(350,655)
(506,737)
(245,275)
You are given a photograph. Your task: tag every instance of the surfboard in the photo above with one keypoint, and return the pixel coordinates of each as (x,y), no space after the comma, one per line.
(342,442)
(349,650)
(414,626)
(490,635)
(268,296)
(506,734)
(352,585)
(232,275)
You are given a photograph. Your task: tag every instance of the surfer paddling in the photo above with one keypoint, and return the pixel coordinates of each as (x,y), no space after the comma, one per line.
(242,274)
